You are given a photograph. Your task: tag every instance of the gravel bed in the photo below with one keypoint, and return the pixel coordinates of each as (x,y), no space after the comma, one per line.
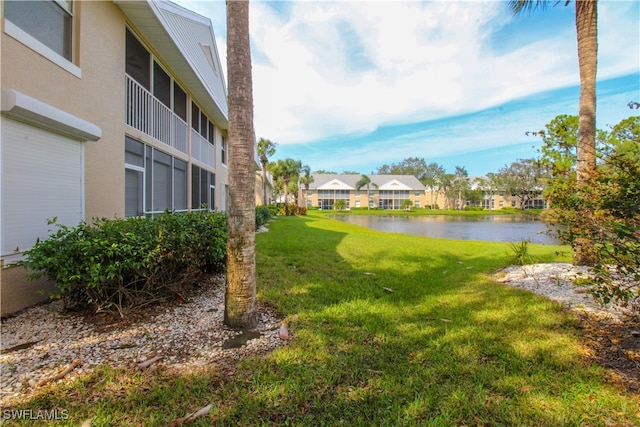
(42,341)
(556,281)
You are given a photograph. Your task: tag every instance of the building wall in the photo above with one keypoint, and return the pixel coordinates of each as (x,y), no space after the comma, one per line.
(97,96)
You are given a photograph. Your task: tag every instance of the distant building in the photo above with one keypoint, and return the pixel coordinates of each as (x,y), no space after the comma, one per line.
(385,191)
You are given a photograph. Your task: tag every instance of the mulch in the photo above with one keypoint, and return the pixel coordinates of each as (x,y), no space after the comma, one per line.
(616,347)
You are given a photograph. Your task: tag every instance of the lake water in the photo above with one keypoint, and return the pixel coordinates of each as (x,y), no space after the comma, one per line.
(494,228)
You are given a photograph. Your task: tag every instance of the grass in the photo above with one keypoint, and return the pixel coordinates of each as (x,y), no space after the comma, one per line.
(388,330)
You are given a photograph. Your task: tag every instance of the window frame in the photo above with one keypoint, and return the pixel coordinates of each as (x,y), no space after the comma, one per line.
(148,179)
(24,37)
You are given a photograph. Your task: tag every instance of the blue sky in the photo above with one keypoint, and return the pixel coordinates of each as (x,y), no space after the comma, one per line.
(353,85)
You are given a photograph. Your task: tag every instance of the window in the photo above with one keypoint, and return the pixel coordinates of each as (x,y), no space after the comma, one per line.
(138,61)
(154,180)
(49,22)
(156,79)
(212,134)
(179,101)
(202,188)
(202,124)
(133,178)
(223,150)
(161,85)
(195,117)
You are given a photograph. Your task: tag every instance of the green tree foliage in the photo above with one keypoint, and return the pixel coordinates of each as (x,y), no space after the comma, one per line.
(415,166)
(286,170)
(606,211)
(365,181)
(524,179)
(340,205)
(266,149)
(407,204)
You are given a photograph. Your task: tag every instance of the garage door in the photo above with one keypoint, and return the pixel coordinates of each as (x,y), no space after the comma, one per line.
(42,178)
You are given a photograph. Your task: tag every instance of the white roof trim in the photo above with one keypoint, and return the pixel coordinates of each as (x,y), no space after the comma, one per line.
(394,184)
(335,184)
(21,107)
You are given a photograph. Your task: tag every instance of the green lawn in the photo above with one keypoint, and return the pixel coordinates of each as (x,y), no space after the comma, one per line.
(388,330)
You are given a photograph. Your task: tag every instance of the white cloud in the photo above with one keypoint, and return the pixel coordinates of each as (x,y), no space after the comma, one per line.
(329,68)
(423,61)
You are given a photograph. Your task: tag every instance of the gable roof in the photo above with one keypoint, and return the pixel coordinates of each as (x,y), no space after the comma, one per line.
(349,181)
(185,41)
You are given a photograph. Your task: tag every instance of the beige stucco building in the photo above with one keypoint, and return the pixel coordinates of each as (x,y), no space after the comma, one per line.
(385,191)
(109,109)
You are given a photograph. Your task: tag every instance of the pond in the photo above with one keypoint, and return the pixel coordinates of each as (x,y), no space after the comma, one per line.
(493,228)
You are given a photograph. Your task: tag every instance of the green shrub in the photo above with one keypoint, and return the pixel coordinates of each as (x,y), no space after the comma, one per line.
(520,252)
(474,208)
(263,215)
(118,264)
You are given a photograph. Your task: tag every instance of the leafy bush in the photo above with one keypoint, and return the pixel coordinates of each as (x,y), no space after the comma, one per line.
(339,205)
(406,204)
(601,217)
(117,264)
(292,209)
(474,208)
(263,215)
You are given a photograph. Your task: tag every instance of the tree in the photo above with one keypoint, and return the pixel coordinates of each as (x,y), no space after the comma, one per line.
(606,212)
(286,169)
(415,166)
(522,178)
(340,205)
(266,149)
(305,179)
(488,186)
(586,16)
(407,204)
(434,181)
(365,181)
(241,309)
(460,185)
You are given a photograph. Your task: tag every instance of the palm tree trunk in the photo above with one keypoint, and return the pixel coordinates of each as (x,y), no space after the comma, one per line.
(586,29)
(240,295)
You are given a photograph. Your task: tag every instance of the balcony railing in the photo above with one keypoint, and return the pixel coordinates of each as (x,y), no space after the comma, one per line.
(147,114)
(202,150)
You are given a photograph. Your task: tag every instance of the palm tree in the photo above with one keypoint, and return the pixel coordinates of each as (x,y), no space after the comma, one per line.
(241,310)
(365,181)
(285,169)
(266,149)
(305,179)
(587,35)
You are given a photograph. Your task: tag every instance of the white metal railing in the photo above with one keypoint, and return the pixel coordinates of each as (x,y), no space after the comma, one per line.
(147,114)
(202,150)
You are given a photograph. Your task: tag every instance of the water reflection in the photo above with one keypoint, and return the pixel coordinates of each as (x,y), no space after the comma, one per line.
(493,228)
